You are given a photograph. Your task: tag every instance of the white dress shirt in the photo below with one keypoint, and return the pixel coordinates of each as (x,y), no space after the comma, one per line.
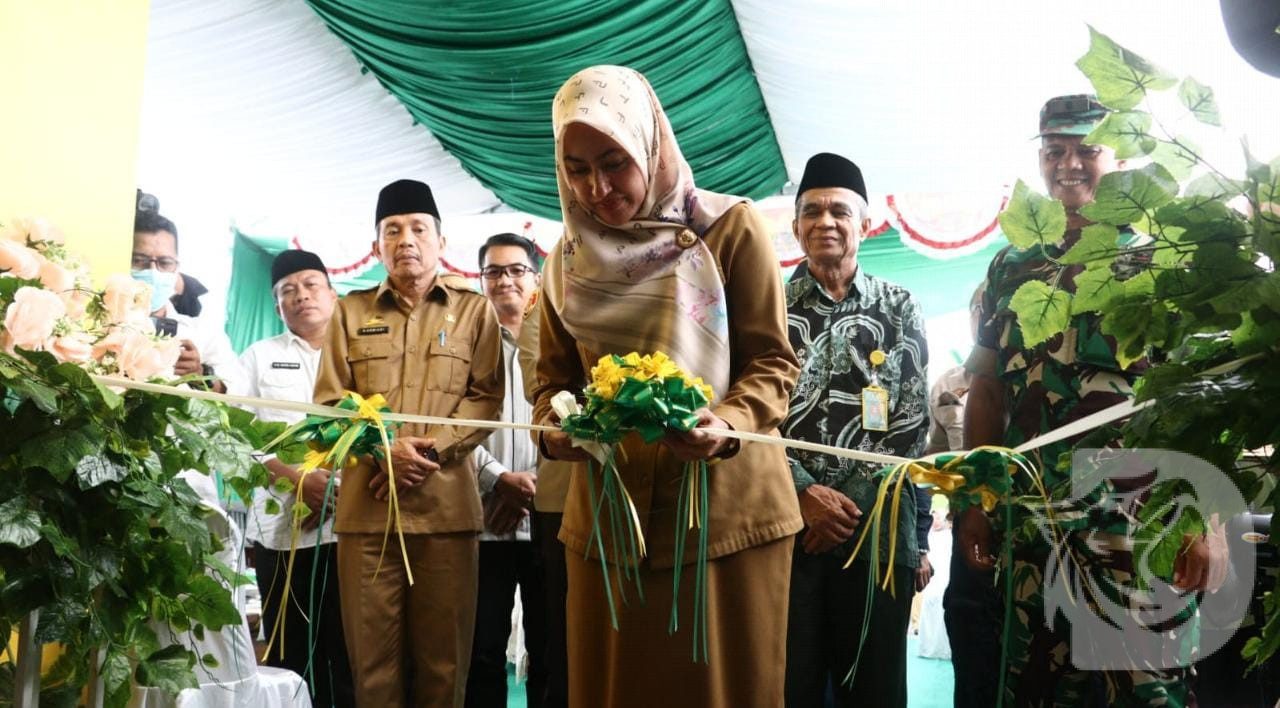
(283,368)
(507,450)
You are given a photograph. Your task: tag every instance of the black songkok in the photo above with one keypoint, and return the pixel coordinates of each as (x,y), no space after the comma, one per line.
(293,260)
(830,170)
(405,196)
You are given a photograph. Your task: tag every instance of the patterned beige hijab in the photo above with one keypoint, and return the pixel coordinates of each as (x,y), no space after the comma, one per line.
(651,284)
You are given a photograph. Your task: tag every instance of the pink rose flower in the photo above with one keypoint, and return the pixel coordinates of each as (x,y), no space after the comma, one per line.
(35,229)
(31,317)
(125,299)
(77,301)
(110,344)
(55,277)
(18,260)
(142,358)
(72,347)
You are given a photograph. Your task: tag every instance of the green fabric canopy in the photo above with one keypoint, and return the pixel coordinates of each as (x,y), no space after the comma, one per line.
(941,286)
(481,76)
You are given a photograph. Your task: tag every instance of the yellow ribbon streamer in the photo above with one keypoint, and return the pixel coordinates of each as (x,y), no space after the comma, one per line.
(367,409)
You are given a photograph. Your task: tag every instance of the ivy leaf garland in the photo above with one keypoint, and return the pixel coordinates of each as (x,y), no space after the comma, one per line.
(97,531)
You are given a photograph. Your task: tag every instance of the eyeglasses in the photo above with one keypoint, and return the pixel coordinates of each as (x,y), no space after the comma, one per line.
(513,271)
(166,264)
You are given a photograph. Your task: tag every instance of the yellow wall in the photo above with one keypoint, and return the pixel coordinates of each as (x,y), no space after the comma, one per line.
(70,97)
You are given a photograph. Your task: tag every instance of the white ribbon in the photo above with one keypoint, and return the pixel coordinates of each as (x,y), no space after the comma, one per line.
(560,404)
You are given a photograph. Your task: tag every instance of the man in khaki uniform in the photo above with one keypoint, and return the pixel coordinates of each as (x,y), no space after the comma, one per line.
(431,346)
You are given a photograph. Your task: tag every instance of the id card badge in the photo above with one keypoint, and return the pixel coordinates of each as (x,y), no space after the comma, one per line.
(875,408)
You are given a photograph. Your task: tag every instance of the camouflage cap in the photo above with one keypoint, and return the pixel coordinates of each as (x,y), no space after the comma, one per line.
(1077,114)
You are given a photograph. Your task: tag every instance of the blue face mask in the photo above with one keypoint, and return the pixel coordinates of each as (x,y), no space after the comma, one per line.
(162,285)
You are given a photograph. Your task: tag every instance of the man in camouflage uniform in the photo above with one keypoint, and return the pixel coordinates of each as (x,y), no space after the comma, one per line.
(1040,388)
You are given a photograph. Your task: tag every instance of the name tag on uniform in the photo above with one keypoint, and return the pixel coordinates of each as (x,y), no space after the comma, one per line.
(366,331)
(875,408)
(292,365)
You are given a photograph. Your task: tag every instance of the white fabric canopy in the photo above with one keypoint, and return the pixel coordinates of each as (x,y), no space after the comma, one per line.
(944,97)
(254,112)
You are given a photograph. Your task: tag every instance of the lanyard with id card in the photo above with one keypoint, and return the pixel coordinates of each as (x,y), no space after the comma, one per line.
(875,399)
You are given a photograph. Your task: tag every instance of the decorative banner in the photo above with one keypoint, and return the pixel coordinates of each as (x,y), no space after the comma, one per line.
(945,225)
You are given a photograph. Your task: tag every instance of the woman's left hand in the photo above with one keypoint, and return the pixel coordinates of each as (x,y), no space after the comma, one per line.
(698,444)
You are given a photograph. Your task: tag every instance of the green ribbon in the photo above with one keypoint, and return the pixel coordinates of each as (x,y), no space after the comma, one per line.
(323,433)
(649,407)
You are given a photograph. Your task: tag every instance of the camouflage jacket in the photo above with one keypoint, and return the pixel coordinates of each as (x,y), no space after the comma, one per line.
(1071,375)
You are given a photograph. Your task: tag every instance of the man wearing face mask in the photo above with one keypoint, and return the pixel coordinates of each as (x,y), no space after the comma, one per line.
(206,351)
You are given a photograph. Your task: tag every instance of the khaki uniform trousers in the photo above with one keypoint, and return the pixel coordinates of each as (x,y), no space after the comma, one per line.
(641,666)
(409,645)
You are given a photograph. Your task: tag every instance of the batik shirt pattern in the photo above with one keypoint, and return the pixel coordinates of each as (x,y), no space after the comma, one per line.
(834,341)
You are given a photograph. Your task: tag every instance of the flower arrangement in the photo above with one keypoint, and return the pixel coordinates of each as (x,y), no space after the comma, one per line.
(100,539)
(648,395)
(49,306)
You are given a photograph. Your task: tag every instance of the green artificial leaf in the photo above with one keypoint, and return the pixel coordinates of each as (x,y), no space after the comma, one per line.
(292,453)
(1098,242)
(1127,196)
(1254,169)
(1042,311)
(1170,256)
(1119,77)
(226,572)
(19,525)
(1127,132)
(93,470)
(1198,99)
(1156,380)
(168,669)
(181,523)
(1252,337)
(1199,219)
(60,450)
(1135,325)
(208,661)
(1141,285)
(32,388)
(1096,288)
(58,541)
(1164,554)
(116,672)
(272,506)
(209,603)
(1223,264)
(1031,219)
(1179,156)
(1214,186)
(282,485)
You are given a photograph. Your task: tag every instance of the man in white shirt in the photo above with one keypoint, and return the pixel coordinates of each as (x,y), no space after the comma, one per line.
(284,368)
(507,475)
(205,350)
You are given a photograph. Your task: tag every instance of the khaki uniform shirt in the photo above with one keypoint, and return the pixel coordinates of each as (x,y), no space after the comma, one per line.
(438,357)
(752,499)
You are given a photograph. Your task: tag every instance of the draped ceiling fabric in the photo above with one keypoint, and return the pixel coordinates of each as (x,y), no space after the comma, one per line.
(255,114)
(284,118)
(481,76)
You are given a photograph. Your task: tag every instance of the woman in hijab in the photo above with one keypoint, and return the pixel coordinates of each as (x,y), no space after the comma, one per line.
(650,263)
